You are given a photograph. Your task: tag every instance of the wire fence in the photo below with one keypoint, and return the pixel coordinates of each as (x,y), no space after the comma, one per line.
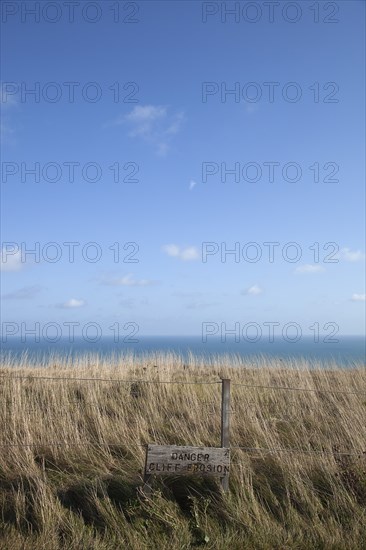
(359,454)
(119,380)
(298,451)
(182,382)
(268,450)
(289,388)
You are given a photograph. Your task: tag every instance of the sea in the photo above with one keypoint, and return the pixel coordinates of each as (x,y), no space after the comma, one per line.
(348,351)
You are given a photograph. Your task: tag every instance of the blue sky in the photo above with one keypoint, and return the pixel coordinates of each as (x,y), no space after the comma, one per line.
(169,128)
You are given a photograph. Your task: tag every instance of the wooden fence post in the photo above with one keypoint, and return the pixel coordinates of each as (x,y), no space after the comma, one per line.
(225,423)
(148,478)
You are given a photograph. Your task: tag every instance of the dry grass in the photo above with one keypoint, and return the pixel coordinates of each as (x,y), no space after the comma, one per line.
(83,493)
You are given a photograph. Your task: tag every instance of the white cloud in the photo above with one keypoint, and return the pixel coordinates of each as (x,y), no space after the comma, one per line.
(6,133)
(128,280)
(132,303)
(72,303)
(154,124)
(10,261)
(144,119)
(358,297)
(254,290)
(186,254)
(7,98)
(192,184)
(309,268)
(175,124)
(189,253)
(24,293)
(349,255)
(146,113)
(171,249)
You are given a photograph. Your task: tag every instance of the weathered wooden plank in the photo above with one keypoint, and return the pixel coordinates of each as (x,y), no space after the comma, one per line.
(225,423)
(178,460)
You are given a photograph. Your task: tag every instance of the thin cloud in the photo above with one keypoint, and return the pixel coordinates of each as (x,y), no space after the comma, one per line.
(184,294)
(73,303)
(309,268)
(132,303)
(25,293)
(7,99)
(7,131)
(192,184)
(349,255)
(188,253)
(10,262)
(128,303)
(358,297)
(153,124)
(194,299)
(251,108)
(201,305)
(254,290)
(144,120)
(127,280)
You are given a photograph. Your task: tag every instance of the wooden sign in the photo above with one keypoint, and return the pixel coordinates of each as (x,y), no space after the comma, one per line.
(174,460)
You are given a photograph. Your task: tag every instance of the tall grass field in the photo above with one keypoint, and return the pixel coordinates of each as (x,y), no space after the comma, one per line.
(73,443)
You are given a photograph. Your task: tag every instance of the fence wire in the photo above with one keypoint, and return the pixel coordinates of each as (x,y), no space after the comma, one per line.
(183,382)
(289,388)
(297,451)
(118,380)
(359,454)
